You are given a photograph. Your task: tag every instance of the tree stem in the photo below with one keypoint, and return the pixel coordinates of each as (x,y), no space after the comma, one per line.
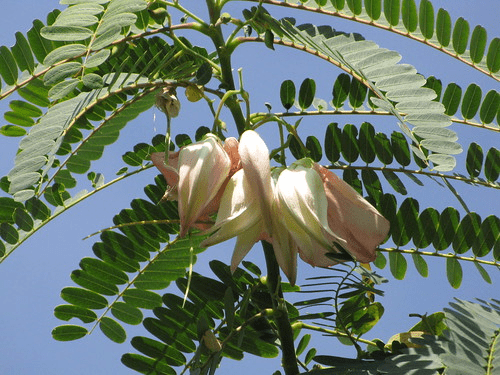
(225,65)
(285,332)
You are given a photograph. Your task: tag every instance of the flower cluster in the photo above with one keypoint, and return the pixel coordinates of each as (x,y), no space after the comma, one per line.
(304,209)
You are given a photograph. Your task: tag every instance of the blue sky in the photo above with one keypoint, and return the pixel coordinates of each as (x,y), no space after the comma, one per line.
(33,276)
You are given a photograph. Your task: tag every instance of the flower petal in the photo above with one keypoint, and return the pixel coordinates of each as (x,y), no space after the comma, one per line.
(255,161)
(203,168)
(352,218)
(169,171)
(236,212)
(303,204)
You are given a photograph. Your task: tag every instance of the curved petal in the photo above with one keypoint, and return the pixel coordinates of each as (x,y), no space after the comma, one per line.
(169,171)
(203,168)
(352,218)
(237,211)
(255,162)
(304,206)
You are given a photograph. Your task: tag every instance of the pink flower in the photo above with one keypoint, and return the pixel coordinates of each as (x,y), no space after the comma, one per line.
(247,209)
(325,215)
(352,218)
(197,176)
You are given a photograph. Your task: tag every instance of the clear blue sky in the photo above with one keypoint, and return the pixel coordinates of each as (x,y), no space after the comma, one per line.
(31,279)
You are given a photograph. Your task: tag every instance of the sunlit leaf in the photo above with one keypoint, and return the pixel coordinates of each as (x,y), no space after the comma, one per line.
(460,35)
(68,332)
(443,27)
(112,329)
(454,272)
(477,44)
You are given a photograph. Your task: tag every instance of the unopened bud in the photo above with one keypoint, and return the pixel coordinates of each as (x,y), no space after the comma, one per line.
(168,103)
(211,342)
(194,93)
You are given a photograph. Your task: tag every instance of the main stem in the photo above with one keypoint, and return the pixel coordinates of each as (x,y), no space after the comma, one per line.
(225,64)
(285,332)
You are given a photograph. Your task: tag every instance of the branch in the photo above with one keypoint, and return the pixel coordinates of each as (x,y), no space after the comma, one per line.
(441,255)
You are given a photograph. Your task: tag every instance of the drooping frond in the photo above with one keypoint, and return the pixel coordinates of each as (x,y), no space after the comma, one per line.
(421,23)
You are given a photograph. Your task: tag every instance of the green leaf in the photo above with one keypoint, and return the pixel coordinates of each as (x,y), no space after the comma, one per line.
(23,54)
(351,177)
(66,33)
(103,271)
(8,233)
(441,147)
(467,232)
(492,164)
(203,74)
(306,93)
(391,11)
(350,147)
(449,221)
(372,184)
(420,264)
(474,161)
(67,51)
(39,45)
(410,15)
(67,312)
(333,142)
(366,142)
(8,207)
(92,81)
(84,298)
(454,272)
(155,349)
(341,89)
(61,89)
(113,330)
(94,284)
(488,235)
(484,274)
(269,39)
(426,19)
(68,332)
(380,261)
(428,222)
(35,92)
(443,27)
(460,35)
(400,149)
(314,147)
(451,98)
(287,94)
(357,94)
(127,313)
(373,8)
(490,107)
(383,148)
(477,44)
(146,365)
(18,119)
(61,72)
(302,345)
(355,6)
(38,209)
(12,131)
(142,298)
(23,220)
(394,181)
(493,56)
(397,265)
(8,66)
(471,101)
